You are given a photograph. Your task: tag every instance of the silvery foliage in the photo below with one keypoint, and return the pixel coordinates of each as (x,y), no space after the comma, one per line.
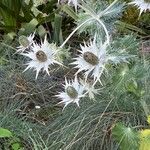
(99,12)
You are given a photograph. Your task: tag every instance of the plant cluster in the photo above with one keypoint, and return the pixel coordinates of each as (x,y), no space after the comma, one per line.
(101,71)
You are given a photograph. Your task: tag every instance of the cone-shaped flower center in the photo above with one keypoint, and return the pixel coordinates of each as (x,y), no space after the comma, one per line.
(71,91)
(41,56)
(91,58)
(24,41)
(147,1)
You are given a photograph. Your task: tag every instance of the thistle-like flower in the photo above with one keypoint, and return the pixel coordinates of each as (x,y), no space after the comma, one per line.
(41,57)
(92,60)
(25,42)
(143,5)
(90,89)
(74,91)
(94,57)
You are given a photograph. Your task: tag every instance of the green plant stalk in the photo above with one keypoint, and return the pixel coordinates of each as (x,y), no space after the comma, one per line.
(72,33)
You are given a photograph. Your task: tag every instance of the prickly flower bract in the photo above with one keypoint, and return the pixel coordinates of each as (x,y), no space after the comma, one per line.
(90,89)
(143,5)
(25,42)
(92,60)
(73,92)
(42,56)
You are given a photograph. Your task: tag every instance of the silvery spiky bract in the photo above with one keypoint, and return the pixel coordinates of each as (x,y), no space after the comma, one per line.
(73,92)
(90,89)
(92,60)
(94,57)
(25,42)
(143,5)
(41,57)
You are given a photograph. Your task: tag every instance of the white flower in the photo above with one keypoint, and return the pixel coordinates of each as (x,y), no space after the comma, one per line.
(25,42)
(92,60)
(74,91)
(41,57)
(143,5)
(90,89)
(74,2)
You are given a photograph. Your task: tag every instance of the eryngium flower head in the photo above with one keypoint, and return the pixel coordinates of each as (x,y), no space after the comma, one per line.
(25,42)
(143,5)
(74,91)
(92,60)
(41,57)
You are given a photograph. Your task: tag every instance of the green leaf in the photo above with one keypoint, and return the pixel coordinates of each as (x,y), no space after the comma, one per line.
(132,86)
(125,26)
(28,28)
(126,137)
(16,146)
(10,11)
(67,9)
(5,133)
(41,31)
(27,11)
(57,27)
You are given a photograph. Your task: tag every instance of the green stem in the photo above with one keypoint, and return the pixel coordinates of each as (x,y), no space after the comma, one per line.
(71,34)
(96,17)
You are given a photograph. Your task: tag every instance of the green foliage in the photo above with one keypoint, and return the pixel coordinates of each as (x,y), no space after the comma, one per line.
(10,10)
(132,23)
(70,12)
(57,28)
(24,17)
(5,133)
(12,141)
(126,137)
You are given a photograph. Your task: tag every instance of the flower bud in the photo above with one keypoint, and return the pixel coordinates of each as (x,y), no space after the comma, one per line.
(24,41)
